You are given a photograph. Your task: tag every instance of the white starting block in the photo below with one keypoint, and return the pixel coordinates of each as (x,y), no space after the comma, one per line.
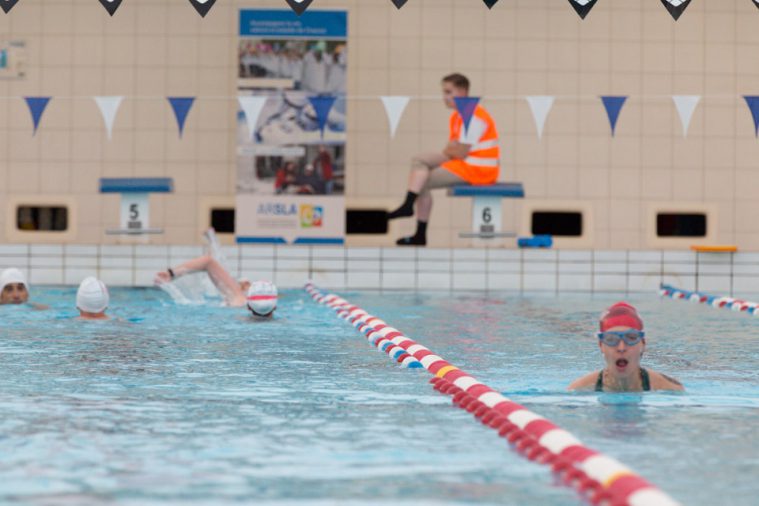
(135,206)
(486,208)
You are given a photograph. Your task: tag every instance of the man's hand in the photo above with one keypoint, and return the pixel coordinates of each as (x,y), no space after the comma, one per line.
(456,151)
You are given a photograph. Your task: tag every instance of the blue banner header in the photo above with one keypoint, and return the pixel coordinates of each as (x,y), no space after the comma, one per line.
(274,24)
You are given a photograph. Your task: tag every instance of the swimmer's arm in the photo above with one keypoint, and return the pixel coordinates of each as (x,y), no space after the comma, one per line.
(661,381)
(586,382)
(456,150)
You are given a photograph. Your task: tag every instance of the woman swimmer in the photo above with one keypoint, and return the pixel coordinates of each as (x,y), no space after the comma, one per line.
(622,343)
(260,296)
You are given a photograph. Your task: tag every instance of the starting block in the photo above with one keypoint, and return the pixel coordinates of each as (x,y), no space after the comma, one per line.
(486,208)
(135,206)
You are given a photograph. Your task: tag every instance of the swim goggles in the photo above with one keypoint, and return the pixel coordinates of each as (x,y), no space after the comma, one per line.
(613,337)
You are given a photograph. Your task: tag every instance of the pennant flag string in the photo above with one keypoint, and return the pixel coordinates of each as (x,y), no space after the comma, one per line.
(7,5)
(394,107)
(753,105)
(582,7)
(202,6)
(322,105)
(540,106)
(109,106)
(613,106)
(490,3)
(399,3)
(676,7)
(466,107)
(111,5)
(181,106)
(37,107)
(299,6)
(252,107)
(685,105)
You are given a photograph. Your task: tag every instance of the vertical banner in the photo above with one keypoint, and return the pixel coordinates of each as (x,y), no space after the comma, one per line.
(291,127)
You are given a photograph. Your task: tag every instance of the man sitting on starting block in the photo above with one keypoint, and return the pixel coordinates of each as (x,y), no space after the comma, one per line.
(471,156)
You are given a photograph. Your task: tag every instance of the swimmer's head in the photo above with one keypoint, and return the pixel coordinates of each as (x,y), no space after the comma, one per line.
(620,314)
(262,298)
(13,287)
(92,296)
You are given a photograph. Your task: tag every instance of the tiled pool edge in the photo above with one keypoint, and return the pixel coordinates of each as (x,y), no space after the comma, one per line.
(404,269)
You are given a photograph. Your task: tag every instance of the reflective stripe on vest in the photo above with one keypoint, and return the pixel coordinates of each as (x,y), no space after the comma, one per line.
(485,153)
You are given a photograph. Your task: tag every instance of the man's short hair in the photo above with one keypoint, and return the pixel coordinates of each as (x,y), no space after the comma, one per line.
(458,80)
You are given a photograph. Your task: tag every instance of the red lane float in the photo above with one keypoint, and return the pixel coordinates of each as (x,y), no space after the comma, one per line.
(598,478)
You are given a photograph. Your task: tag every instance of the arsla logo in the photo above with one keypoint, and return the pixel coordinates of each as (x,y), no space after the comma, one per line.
(311,216)
(271,209)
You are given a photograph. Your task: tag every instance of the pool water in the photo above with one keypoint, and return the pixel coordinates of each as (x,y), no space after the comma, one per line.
(190,404)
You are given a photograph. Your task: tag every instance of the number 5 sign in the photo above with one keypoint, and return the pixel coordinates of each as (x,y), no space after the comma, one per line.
(135,206)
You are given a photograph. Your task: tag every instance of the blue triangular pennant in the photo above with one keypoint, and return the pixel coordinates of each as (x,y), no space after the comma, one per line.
(181,106)
(322,105)
(613,106)
(753,105)
(466,107)
(37,107)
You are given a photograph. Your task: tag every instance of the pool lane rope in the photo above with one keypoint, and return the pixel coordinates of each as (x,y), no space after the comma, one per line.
(599,479)
(716,301)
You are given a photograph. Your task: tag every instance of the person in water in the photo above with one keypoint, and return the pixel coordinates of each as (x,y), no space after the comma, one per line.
(14,288)
(92,299)
(260,296)
(622,343)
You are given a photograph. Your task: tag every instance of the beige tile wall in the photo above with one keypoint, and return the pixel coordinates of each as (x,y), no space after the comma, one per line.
(154,48)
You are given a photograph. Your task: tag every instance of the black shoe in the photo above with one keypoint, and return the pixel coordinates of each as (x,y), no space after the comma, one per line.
(412,240)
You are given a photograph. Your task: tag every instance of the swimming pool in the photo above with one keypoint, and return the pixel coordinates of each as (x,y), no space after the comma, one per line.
(188,404)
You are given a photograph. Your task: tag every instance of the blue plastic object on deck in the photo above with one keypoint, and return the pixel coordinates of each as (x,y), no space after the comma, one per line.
(538,241)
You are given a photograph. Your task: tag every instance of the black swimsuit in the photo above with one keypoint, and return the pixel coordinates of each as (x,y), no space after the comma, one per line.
(643,380)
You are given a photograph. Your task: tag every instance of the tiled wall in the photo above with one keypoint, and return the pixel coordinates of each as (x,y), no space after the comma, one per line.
(154,48)
(404,269)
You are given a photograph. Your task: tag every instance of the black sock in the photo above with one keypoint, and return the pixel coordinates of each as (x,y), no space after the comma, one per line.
(406,210)
(418,239)
(421,230)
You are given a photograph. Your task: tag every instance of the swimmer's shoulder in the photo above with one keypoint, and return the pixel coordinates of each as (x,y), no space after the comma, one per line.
(587,382)
(661,381)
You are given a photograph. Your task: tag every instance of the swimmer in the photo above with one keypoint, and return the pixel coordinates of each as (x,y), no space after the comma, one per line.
(234,292)
(14,289)
(92,299)
(622,343)
(262,299)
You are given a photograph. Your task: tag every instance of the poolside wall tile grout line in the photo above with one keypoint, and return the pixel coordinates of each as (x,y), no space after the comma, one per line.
(598,478)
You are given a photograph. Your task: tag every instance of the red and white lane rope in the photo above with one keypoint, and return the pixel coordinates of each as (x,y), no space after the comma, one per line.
(599,479)
(737,305)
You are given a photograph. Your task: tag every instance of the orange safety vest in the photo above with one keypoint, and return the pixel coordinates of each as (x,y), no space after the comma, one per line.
(481,166)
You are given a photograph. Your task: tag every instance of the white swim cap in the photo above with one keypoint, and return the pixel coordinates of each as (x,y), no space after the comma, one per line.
(92,296)
(262,298)
(12,275)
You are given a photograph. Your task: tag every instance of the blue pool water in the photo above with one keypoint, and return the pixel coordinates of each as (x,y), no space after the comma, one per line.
(199,405)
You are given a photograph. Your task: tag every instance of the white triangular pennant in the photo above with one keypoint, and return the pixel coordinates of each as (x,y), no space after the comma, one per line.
(394,107)
(252,107)
(540,105)
(109,106)
(686,104)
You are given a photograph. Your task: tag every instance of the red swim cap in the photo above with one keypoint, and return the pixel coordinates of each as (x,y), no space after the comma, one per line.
(621,314)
